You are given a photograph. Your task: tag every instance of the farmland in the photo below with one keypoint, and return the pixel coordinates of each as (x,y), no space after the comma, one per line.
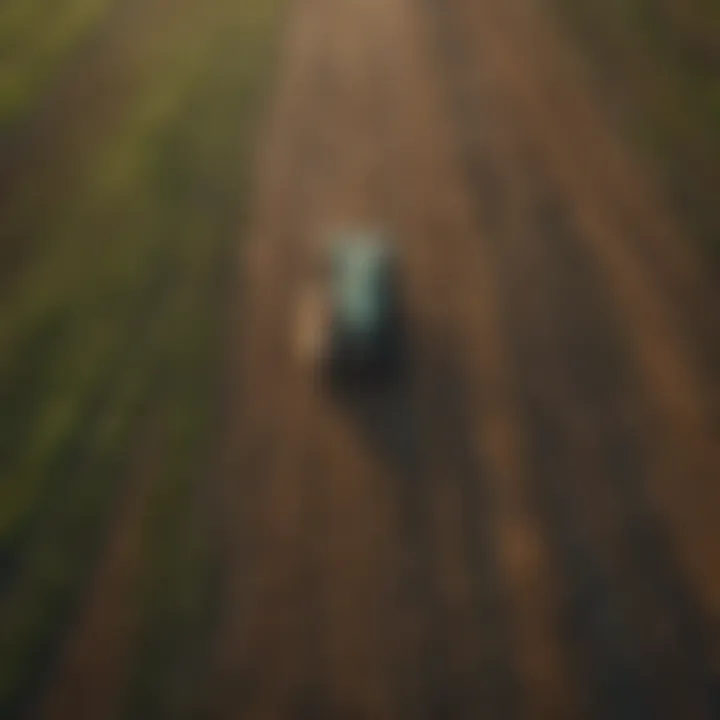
(526,525)
(658,62)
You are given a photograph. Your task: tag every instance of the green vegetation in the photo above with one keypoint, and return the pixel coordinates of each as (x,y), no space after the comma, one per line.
(114,327)
(35,37)
(179,583)
(660,60)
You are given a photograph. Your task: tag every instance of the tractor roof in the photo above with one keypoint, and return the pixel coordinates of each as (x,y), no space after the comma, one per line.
(358,278)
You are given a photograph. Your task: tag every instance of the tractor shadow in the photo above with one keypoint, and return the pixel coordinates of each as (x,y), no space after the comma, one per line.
(419,425)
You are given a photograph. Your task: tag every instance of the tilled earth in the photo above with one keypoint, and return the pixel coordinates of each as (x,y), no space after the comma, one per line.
(528,525)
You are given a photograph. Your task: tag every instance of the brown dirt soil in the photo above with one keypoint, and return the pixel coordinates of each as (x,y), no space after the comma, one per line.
(527,526)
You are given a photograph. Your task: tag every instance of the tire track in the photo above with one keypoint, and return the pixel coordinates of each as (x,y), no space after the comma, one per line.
(522,558)
(268,417)
(467,671)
